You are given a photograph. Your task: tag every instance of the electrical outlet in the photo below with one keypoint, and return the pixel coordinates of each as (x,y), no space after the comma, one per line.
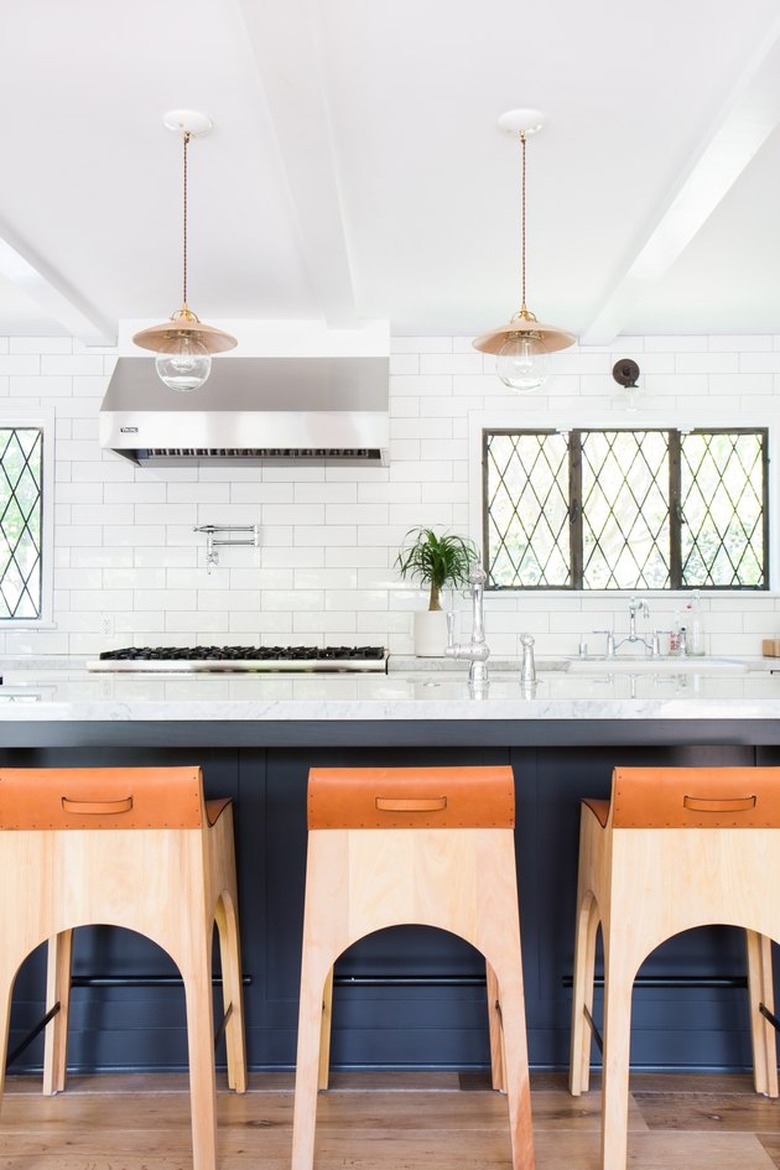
(107,624)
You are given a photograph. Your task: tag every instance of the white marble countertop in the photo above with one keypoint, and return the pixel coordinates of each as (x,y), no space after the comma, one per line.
(63,690)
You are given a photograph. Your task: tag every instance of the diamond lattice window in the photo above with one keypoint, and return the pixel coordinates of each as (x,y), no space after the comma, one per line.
(620,509)
(21,500)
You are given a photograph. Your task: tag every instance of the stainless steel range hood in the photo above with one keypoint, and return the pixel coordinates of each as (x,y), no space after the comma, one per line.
(312,410)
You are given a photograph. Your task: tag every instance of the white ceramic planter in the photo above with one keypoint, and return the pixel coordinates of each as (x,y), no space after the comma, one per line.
(430,633)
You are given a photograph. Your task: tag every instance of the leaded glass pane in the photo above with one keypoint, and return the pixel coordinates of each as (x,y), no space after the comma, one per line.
(625,510)
(21,473)
(527,510)
(722,483)
(619,509)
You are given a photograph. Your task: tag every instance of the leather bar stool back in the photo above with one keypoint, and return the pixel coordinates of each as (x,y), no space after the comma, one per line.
(392,846)
(674,848)
(133,847)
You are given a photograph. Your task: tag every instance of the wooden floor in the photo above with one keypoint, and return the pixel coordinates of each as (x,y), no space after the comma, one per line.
(394,1121)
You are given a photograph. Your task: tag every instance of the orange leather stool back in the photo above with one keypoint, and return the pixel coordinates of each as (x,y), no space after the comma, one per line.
(411,798)
(695,798)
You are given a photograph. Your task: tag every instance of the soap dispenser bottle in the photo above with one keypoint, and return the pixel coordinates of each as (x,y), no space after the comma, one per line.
(695,624)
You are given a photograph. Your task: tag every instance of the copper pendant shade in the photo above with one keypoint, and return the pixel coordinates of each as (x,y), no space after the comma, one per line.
(184,342)
(166,337)
(524,324)
(523,342)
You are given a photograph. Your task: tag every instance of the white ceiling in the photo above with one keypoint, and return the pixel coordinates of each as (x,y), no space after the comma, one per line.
(355,170)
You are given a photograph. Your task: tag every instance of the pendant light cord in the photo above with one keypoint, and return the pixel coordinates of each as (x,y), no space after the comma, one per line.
(523,306)
(186,137)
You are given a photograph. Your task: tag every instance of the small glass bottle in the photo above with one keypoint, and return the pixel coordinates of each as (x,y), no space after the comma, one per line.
(695,625)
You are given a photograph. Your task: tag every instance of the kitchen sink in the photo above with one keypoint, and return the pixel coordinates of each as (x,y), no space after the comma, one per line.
(643,664)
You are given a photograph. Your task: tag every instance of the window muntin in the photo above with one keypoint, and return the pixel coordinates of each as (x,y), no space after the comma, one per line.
(21,522)
(622,509)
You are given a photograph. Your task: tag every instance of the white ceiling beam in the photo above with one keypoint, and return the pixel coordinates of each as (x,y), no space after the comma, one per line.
(284,43)
(747,120)
(50,293)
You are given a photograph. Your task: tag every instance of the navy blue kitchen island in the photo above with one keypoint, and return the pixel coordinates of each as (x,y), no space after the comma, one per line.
(409,997)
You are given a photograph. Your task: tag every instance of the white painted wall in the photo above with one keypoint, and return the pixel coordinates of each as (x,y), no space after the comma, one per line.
(128,562)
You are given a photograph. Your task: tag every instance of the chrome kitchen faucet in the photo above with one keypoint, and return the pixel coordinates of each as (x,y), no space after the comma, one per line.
(635,606)
(477,651)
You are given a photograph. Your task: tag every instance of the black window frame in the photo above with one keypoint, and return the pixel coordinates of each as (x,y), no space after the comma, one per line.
(676,519)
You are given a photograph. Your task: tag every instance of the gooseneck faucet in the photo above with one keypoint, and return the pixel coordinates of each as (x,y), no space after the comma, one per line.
(635,606)
(476,652)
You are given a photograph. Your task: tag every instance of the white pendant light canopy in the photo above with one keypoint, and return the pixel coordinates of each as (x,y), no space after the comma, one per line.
(522,346)
(184,344)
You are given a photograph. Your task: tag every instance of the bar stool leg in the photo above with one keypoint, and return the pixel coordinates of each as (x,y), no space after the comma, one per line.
(6,993)
(515,1062)
(316,979)
(58,975)
(618,985)
(582,995)
(325,1032)
(761,991)
(495,1026)
(196,973)
(232,994)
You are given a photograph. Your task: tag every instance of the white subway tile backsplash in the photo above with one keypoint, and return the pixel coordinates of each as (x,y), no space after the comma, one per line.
(327,493)
(274,626)
(361,556)
(299,599)
(421,345)
(452,363)
(405,450)
(105,514)
(759,363)
(421,428)
(404,363)
(336,628)
(344,534)
(222,599)
(71,364)
(29,364)
(168,600)
(134,534)
(205,624)
(707,363)
(125,547)
(428,384)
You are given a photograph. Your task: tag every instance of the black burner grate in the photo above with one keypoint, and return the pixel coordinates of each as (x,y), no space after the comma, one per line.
(245,654)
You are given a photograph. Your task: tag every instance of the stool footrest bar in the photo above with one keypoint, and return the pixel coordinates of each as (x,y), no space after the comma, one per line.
(28,1039)
(594,1030)
(773,1020)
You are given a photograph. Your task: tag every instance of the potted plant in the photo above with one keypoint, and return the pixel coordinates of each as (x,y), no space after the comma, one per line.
(435,560)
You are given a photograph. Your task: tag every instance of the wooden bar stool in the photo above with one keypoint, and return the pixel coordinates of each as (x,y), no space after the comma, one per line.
(392,846)
(674,848)
(131,847)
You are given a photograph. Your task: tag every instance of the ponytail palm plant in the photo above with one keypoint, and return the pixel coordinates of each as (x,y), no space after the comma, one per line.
(436,560)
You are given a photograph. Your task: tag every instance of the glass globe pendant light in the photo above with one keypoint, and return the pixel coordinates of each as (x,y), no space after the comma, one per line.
(184,344)
(523,346)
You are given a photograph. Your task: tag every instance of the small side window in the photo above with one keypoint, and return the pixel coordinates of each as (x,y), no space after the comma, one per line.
(21,522)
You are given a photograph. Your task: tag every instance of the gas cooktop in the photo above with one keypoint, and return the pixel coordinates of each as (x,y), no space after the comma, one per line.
(242,658)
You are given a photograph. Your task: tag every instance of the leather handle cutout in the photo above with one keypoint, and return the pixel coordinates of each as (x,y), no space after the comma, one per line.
(722,805)
(411,804)
(97,807)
